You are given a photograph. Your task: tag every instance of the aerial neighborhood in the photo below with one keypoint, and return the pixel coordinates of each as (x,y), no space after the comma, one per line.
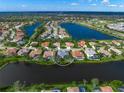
(14,43)
(47,41)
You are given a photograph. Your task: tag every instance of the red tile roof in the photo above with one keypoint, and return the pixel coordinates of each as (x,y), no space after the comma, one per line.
(69,44)
(48,54)
(45,44)
(106,89)
(77,53)
(73,89)
(81,43)
(11,51)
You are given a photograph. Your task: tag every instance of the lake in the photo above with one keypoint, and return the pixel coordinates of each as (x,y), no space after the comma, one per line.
(36,74)
(29,29)
(79,32)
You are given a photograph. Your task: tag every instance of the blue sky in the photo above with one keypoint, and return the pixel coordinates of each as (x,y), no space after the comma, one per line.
(62,5)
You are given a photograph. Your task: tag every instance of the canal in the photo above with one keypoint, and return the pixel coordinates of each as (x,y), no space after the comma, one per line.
(79,32)
(36,74)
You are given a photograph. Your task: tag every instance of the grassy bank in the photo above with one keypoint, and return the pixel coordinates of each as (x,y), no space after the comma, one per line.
(88,85)
(7,60)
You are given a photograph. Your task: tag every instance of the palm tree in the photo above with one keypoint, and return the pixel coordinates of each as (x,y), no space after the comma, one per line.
(95,82)
(84,82)
(18,87)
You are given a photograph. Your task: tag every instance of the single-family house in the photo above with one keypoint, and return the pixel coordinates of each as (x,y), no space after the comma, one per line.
(35,53)
(115,50)
(73,89)
(81,43)
(62,53)
(104,52)
(48,54)
(106,89)
(116,42)
(69,44)
(23,51)
(91,54)
(11,52)
(77,54)
(45,44)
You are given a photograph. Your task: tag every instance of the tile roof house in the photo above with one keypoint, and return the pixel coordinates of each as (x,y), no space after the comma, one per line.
(45,44)
(48,54)
(35,53)
(69,44)
(19,35)
(11,52)
(106,89)
(73,89)
(77,54)
(81,43)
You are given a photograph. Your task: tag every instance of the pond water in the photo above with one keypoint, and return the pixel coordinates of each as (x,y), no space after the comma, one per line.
(29,29)
(36,74)
(79,32)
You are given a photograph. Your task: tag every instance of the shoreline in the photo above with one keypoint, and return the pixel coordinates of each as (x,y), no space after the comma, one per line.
(87,85)
(53,63)
(95,28)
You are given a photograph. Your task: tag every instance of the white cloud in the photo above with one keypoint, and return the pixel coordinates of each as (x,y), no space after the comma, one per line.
(74,4)
(112,5)
(121,6)
(23,5)
(106,2)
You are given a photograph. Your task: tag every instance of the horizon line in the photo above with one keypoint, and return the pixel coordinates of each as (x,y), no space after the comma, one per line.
(64,11)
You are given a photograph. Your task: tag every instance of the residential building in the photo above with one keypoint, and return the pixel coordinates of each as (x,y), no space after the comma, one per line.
(62,53)
(69,44)
(45,44)
(73,89)
(115,50)
(48,54)
(77,54)
(91,54)
(106,89)
(81,43)
(104,52)
(11,52)
(23,51)
(35,53)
